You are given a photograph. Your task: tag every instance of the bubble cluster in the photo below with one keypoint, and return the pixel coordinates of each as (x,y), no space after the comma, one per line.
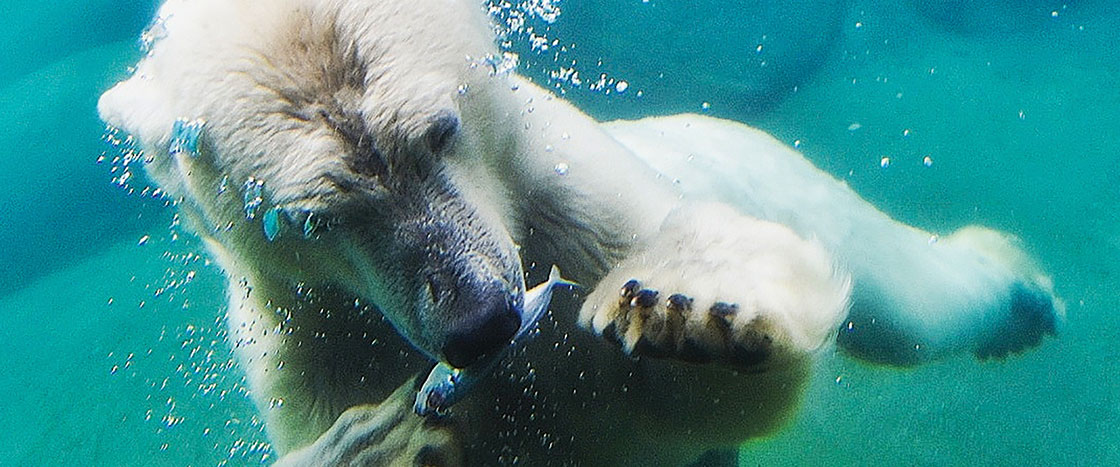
(251,191)
(527,26)
(184,137)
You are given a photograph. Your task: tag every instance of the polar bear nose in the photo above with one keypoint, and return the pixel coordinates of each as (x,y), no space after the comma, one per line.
(489,323)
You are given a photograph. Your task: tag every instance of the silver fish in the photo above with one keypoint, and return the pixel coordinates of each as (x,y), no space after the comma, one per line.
(447,385)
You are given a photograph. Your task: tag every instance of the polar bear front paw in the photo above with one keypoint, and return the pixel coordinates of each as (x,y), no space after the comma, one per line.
(384,434)
(645,323)
(714,286)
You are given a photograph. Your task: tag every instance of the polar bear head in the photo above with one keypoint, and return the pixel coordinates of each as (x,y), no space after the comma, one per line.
(334,153)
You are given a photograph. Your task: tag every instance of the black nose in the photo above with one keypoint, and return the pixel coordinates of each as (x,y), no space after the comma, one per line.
(488,324)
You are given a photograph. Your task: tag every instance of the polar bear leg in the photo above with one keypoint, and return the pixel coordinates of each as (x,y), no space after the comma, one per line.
(915,297)
(975,291)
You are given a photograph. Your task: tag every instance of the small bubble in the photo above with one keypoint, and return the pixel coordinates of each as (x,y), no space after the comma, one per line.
(705,106)
(796,143)
(621,86)
(885,162)
(561,168)
(144,240)
(252,197)
(309,225)
(854,126)
(927,161)
(462,89)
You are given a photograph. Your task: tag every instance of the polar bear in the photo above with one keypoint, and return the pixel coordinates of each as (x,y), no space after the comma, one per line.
(379,191)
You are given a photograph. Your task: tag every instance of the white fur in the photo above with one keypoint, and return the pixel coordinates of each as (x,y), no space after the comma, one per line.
(258,70)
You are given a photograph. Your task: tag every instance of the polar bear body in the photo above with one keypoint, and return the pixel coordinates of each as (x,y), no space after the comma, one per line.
(379,190)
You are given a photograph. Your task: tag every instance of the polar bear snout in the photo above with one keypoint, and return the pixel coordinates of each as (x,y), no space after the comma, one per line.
(488,322)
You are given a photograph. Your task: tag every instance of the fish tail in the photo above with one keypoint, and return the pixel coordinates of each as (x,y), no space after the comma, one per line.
(555,278)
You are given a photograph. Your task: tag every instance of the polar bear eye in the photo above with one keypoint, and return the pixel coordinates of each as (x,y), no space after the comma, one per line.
(364,156)
(444,126)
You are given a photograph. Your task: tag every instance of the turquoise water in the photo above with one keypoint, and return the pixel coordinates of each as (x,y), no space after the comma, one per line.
(113,349)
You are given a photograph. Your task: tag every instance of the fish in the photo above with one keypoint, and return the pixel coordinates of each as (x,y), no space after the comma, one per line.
(446,385)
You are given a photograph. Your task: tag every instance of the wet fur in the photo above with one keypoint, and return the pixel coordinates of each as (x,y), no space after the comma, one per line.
(380,120)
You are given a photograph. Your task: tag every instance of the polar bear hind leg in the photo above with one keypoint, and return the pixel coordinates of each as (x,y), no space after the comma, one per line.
(916,297)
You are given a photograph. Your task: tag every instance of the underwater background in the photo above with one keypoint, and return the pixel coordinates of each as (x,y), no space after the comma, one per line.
(1004,113)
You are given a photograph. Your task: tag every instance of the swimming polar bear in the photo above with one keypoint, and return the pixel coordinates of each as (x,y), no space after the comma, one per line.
(378,191)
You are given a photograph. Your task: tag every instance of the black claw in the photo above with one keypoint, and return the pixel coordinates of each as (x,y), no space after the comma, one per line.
(679,302)
(723,314)
(646,298)
(630,288)
(723,310)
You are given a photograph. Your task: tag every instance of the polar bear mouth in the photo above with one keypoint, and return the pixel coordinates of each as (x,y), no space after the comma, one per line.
(488,329)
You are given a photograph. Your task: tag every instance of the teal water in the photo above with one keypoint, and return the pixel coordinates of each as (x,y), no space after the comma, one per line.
(114,351)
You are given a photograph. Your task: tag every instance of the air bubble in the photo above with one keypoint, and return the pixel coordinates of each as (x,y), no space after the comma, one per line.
(621,86)
(885,162)
(309,225)
(561,168)
(271,223)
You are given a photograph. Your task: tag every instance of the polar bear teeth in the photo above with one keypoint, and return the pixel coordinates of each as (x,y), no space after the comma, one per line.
(647,327)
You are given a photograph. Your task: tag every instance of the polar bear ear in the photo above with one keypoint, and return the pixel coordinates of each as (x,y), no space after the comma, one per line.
(136,106)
